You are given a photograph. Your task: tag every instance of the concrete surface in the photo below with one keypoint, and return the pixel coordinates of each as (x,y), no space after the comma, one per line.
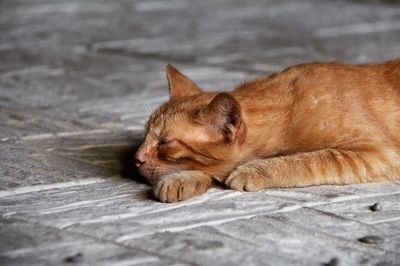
(78,80)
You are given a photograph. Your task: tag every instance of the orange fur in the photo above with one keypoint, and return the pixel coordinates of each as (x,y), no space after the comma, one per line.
(311,124)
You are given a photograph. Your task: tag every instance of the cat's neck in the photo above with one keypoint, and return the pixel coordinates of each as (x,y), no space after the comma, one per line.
(266,112)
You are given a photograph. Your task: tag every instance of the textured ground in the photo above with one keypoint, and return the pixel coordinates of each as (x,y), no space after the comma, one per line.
(78,80)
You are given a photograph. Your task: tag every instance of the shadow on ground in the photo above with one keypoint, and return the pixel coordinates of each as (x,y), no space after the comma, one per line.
(128,168)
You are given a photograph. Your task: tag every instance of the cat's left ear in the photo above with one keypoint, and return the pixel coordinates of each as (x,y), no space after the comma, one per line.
(179,84)
(224,114)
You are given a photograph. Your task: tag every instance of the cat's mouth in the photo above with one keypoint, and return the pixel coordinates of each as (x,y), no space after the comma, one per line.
(151,177)
(153,174)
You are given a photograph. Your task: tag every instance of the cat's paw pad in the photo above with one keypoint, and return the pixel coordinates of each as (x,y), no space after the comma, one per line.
(173,188)
(244,182)
(247,178)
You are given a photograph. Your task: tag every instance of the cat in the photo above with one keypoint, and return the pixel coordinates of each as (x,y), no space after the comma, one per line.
(311,124)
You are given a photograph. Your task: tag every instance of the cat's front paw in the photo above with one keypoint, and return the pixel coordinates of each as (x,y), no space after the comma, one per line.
(248,177)
(181,186)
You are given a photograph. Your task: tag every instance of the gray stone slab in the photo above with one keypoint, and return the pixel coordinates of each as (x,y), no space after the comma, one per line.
(265,241)
(210,246)
(66,156)
(129,205)
(338,226)
(287,238)
(42,245)
(359,209)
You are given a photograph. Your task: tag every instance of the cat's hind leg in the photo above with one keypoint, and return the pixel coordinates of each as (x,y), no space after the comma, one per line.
(328,166)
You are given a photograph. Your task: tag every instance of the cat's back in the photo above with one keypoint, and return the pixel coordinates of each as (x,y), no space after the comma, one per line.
(324,86)
(344,99)
(333,77)
(343,84)
(344,76)
(390,72)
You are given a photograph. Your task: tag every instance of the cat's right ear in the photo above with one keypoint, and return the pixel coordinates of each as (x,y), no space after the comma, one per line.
(179,84)
(224,114)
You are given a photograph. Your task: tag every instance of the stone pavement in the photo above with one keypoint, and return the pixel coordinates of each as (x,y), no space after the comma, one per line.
(78,80)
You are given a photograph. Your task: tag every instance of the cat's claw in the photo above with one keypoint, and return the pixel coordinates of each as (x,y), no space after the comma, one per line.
(177,187)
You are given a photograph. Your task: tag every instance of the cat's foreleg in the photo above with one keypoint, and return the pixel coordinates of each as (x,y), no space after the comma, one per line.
(182,185)
(329,166)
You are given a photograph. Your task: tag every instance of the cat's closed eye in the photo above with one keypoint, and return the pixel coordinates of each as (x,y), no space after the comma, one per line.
(173,150)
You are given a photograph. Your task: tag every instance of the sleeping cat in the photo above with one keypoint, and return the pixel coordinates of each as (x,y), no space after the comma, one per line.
(311,124)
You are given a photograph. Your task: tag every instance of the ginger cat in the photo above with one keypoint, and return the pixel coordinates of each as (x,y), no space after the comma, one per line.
(311,124)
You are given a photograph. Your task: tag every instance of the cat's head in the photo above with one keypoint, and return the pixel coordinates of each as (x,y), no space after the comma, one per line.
(194,130)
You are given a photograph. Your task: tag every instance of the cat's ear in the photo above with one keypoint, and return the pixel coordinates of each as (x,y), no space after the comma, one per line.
(179,84)
(224,114)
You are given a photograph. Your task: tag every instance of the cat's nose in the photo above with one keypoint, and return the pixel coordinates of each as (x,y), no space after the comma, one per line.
(138,163)
(139,159)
